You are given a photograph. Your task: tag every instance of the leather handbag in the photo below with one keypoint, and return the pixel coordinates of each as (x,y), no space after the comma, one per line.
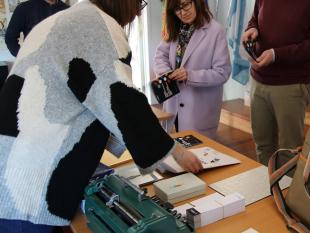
(295,206)
(164,88)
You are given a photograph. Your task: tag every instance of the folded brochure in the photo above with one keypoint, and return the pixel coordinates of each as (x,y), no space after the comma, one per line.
(209,157)
(132,173)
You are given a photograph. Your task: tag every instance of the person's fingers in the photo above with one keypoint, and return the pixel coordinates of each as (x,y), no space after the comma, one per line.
(195,165)
(254,64)
(193,169)
(254,35)
(172,75)
(186,163)
(245,37)
(198,165)
(182,75)
(264,60)
(178,74)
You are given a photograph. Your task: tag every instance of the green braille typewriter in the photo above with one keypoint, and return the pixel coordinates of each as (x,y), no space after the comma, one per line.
(114,205)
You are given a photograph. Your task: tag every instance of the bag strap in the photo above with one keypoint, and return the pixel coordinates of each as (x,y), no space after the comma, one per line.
(307,169)
(275,175)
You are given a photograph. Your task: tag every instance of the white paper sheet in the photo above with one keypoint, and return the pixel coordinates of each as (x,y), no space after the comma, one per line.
(252,184)
(209,157)
(132,173)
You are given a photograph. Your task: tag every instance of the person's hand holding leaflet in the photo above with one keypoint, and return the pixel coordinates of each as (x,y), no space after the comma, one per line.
(265,59)
(186,159)
(179,74)
(250,34)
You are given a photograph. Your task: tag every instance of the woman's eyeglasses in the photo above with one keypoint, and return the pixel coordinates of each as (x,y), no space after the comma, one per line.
(143,4)
(184,6)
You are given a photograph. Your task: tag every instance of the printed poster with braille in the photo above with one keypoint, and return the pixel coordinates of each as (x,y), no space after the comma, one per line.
(188,141)
(209,157)
(164,87)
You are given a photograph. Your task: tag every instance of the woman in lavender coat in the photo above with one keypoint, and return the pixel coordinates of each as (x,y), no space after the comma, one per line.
(196,50)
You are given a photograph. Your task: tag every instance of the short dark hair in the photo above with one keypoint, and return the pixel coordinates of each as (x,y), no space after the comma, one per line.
(123,11)
(174,23)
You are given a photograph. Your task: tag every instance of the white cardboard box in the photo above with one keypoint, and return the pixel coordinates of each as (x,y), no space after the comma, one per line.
(212,208)
(232,204)
(205,214)
(179,188)
(211,197)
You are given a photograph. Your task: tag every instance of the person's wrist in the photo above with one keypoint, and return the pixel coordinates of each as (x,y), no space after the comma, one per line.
(178,152)
(179,156)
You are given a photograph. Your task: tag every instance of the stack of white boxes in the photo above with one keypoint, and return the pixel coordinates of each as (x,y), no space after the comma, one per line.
(212,208)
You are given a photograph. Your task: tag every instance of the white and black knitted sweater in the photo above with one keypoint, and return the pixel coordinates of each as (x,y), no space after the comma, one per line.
(69,88)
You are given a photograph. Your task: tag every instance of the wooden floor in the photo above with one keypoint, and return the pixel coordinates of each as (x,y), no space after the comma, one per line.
(237,140)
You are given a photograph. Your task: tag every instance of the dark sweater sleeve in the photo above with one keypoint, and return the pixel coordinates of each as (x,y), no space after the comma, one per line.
(299,52)
(15,27)
(144,137)
(253,23)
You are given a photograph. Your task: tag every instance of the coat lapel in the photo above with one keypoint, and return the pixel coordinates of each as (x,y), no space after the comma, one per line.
(197,36)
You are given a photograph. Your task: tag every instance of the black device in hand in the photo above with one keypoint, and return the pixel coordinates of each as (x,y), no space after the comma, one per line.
(249,47)
(164,87)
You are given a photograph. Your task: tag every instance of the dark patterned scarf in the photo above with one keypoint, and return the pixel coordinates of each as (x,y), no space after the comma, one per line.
(185,34)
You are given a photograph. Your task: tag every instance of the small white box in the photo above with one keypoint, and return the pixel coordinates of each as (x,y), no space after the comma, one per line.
(179,188)
(211,197)
(205,213)
(214,207)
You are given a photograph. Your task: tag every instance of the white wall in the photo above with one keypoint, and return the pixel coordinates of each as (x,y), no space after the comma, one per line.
(232,89)
(219,8)
(153,25)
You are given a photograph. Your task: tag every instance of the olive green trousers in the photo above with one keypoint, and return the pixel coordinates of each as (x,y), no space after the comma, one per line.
(277,117)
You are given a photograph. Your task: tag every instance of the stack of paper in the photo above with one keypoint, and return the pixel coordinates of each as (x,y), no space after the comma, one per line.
(253,184)
(132,173)
(232,204)
(205,214)
(211,208)
(209,157)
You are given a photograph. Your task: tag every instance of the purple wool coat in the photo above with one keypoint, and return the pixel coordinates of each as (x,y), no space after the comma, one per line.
(206,59)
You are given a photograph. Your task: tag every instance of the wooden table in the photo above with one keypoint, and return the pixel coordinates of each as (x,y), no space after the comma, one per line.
(263,215)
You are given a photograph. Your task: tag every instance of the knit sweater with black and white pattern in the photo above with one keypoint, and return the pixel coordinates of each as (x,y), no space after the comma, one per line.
(69,89)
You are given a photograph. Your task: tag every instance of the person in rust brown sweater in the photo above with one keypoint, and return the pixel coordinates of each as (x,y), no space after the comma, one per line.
(281,73)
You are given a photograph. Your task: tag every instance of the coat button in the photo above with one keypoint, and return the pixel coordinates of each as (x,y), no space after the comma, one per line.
(181,105)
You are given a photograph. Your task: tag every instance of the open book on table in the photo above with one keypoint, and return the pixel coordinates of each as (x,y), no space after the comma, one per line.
(209,157)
